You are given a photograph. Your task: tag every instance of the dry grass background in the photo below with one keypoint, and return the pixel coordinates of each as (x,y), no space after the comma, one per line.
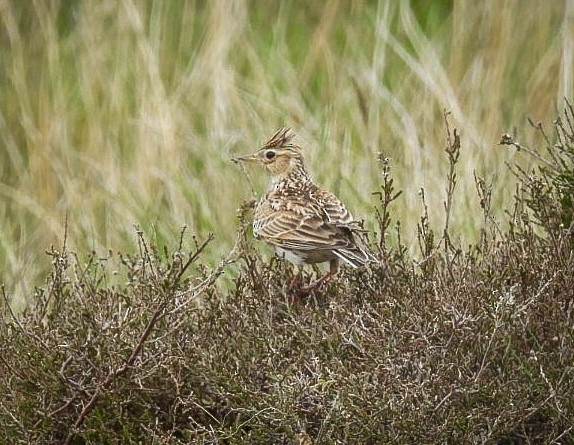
(122,113)
(120,117)
(469,345)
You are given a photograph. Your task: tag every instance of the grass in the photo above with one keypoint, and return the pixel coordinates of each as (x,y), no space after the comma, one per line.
(473,344)
(117,114)
(125,321)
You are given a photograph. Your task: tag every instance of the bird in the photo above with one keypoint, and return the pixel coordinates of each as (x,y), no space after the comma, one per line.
(304,223)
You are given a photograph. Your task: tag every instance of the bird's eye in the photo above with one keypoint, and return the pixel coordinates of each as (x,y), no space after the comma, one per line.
(270,154)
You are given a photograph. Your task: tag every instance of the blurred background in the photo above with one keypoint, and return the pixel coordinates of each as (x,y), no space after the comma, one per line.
(117,114)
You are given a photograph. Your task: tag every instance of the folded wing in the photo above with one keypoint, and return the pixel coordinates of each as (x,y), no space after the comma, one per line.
(310,232)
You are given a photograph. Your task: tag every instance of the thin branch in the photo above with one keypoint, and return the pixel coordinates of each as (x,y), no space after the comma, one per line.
(115,374)
(193,257)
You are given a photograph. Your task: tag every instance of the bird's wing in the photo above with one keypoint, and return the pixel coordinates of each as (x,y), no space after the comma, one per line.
(301,231)
(334,210)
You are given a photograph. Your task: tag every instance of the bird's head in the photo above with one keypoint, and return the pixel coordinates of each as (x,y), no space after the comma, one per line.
(279,156)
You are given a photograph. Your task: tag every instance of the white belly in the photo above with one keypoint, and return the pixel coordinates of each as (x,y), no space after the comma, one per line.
(289,256)
(305,257)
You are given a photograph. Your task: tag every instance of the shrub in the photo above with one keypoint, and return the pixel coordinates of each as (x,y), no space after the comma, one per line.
(465,345)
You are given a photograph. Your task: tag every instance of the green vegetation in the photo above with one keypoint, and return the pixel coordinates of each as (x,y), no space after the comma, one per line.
(118,121)
(114,114)
(469,345)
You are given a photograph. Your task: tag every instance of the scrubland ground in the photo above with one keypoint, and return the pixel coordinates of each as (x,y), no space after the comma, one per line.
(118,121)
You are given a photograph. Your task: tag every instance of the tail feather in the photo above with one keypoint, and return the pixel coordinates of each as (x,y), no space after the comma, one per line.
(355,256)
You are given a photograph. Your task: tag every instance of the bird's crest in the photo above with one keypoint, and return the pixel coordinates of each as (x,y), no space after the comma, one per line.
(280,139)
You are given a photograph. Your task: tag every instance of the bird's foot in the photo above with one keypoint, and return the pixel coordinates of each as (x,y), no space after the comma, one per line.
(305,291)
(295,282)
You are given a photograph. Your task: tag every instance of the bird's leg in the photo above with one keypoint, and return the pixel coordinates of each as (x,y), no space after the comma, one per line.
(296,280)
(295,291)
(334,266)
(333,269)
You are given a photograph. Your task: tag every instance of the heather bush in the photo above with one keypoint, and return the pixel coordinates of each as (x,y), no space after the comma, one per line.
(454,344)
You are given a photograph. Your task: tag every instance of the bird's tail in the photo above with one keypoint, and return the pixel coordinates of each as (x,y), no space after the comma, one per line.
(355,256)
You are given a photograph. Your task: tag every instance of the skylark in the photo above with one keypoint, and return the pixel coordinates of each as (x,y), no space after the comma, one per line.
(304,223)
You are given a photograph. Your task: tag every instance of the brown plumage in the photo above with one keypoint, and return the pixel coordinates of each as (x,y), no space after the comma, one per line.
(303,222)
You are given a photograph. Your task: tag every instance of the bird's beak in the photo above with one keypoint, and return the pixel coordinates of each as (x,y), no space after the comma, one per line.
(247,158)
